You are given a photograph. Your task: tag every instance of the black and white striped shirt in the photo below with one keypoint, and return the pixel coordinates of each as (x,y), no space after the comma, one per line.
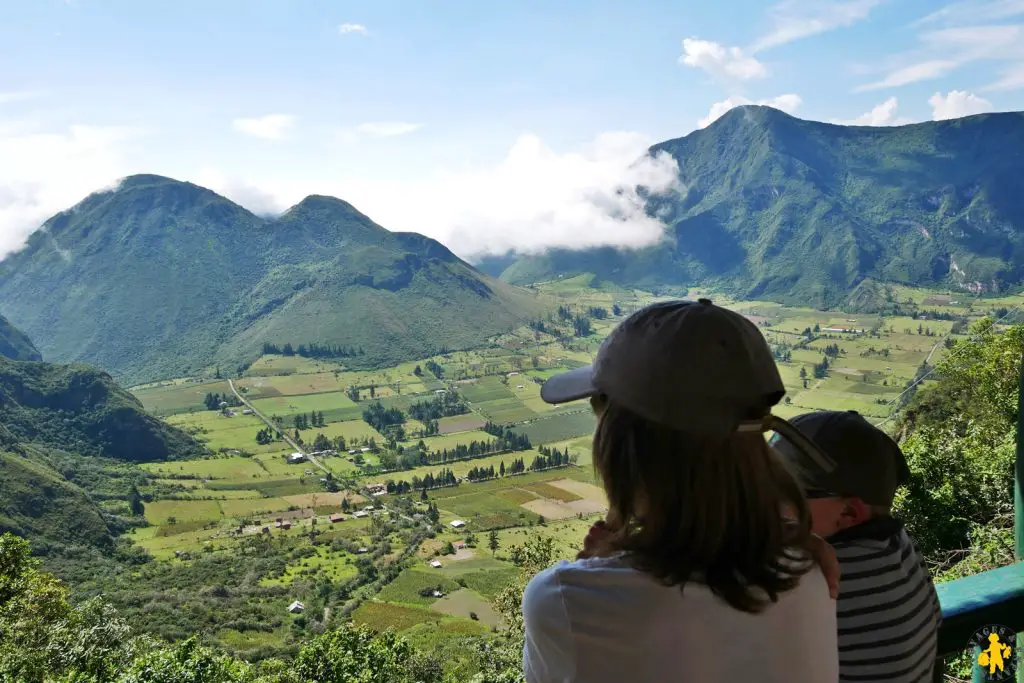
(888,612)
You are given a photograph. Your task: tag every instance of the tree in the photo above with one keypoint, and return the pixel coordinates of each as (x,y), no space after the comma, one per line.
(321,443)
(186,662)
(43,635)
(135,502)
(355,653)
(492,541)
(803,372)
(959,440)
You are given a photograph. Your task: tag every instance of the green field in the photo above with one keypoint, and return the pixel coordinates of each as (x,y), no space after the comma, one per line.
(383,615)
(233,468)
(336,406)
(325,564)
(350,429)
(173,398)
(460,423)
(504,410)
(484,389)
(545,430)
(499,381)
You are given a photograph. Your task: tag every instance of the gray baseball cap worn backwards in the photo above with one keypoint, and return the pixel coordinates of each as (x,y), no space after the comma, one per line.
(691,366)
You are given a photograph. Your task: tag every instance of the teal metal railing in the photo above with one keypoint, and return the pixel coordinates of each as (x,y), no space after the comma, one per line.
(994,597)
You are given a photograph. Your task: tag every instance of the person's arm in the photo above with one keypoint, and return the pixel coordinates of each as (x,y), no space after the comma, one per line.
(548,655)
(825,555)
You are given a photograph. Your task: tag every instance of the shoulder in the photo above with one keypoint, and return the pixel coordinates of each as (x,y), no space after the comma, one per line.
(565,582)
(554,579)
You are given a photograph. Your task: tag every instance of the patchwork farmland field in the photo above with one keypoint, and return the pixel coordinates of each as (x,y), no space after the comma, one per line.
(179,397)
(196,508)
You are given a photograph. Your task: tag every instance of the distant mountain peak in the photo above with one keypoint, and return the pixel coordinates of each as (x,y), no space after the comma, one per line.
(162,278)
(321,202)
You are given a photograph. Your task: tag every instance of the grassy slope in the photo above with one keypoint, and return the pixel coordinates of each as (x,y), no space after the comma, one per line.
(36,502)
(198,280)
(800,211)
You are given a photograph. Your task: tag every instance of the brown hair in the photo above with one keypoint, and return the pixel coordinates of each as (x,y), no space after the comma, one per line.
(686,507)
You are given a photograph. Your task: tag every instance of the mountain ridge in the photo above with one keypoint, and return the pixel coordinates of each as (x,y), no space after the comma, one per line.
(793,210)
(158,278)
(53,418)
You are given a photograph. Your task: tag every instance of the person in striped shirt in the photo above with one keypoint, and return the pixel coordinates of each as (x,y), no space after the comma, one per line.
(888,613)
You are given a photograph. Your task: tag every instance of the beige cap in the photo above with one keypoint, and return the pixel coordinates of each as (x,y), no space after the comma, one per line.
(688,365)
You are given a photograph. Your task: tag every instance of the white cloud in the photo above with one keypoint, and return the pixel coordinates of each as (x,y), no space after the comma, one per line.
(795,19)
(270,127)
(787,103)
(345,29)
(388,128)
(993,10)
(239,190)
(721,61)
(957,103)
(43,172)
(944,50)
(533,199)
(922,71)
(883,114)
(1011,78)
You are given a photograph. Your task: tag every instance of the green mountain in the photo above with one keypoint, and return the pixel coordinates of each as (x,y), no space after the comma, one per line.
(14,344)
(38,503)
(81,410)
(160,278)
(63,424)
(800,211)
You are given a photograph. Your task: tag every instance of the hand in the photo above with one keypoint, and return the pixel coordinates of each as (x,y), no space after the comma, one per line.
(598,531)
(825,555)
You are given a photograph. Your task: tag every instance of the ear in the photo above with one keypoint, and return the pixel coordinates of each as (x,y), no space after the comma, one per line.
(855,511)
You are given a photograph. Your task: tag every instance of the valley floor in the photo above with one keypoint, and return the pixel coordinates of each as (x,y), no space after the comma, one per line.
(376,554)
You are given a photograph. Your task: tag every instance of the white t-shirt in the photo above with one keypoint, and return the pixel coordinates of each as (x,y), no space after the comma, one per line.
(600,621)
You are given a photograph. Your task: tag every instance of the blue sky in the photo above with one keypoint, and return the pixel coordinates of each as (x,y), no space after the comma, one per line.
(486,125)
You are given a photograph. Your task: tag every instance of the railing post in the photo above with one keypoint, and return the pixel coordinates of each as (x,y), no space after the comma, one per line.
(1018,499)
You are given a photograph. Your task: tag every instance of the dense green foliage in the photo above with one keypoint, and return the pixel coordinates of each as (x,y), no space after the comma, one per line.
(14,344)
(960,438)
(67,434)
(37,502)
(44,636)
(161,279)
(776,207)
(81,410)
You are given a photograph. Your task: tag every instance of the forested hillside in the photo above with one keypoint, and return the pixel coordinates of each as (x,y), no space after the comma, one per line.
(160,278)
(65,432)
(801,211)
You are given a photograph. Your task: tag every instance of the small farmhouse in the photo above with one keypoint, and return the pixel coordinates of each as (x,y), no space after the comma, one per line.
(296,607)
(458,524)
(435,564)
